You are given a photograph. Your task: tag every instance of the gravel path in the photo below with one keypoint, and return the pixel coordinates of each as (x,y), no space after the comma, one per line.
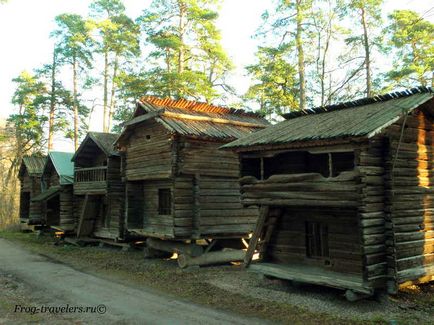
(56,284)
(319,299)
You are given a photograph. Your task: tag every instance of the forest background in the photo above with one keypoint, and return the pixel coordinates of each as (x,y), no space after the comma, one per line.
(271,56)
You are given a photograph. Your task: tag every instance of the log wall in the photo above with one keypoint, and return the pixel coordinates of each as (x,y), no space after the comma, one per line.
(210,206)
(370,165)
(205,158)
(153,223)
(67,219)
(410,198)
(149,153)
(30,187)
(288,240)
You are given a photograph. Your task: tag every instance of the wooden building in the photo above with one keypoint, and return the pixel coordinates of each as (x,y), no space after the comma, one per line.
(30,186)
(179,186)
(346,193)
(98,189)
(57,197)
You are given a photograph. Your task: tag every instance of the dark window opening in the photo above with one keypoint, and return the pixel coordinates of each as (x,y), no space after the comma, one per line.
(342,161)
(317,163)
(298,162)
(164,202)
(316,240)
(285,163)
(251,167)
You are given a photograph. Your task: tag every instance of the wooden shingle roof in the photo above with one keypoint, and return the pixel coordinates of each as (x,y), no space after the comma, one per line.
(104,141)
(33,164)
(362,118)
(195,119)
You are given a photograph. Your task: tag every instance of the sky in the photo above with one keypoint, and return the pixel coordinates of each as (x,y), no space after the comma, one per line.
(25,26)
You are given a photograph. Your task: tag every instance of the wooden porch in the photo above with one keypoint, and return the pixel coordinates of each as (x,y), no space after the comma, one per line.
(314,275)
(90,180)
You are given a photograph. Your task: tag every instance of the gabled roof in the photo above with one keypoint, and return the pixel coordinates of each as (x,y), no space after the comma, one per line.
(357,119)
(34,165)
(195,119)
(104,141)
(63,165)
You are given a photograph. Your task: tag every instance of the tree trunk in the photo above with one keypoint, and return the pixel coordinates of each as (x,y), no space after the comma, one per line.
(181,30)
(52,103)
(74,81)
(300,54)
(105,99)
(112,94)
(367,54)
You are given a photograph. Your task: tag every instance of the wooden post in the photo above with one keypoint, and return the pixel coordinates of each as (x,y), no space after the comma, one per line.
(263,213)
(196,207)
(82,214)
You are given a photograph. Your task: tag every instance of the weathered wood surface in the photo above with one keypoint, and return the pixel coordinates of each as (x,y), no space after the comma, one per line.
(175,247)
(302,189)
(211,258)
(410,199)
(152,141)
(314,275)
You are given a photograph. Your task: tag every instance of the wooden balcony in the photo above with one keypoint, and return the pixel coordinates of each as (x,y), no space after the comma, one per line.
(90,180)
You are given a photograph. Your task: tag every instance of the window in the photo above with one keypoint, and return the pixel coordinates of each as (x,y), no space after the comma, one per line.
(316,240)
(164,202)
(251,167)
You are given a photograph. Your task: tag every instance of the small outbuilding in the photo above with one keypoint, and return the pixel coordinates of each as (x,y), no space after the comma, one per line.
(179,186)
(346,193)
(57,191)
(30,178)
(98,189)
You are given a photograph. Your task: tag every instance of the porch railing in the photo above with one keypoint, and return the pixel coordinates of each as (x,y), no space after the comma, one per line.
(94,174)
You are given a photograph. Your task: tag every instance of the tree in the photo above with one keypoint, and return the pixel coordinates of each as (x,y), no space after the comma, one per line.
(286,27)
(29,120)
(118,42)
(187,58)
(369,13)
(275,88)
(410,38)
(75,48)
(56,99)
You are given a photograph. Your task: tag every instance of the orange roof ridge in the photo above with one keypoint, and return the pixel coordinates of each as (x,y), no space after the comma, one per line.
(195,106)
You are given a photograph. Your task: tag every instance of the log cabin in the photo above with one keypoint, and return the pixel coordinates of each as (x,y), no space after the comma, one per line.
(345,193)
(98,189)
(30,186)
(57,192)
(179,186)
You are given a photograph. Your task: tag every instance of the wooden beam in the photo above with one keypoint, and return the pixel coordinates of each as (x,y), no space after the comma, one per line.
(211,119)
(263,214)
(82,214)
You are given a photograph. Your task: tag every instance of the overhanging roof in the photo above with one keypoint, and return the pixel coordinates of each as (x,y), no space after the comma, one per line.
(63,165)
(104,141)
(195,119)
(358,119)
(48,194)
(34,165)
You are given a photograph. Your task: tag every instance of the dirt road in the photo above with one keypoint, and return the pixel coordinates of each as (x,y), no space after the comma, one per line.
(56,284)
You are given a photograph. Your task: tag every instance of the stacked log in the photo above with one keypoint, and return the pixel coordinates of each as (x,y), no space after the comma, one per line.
(410,195)
(310,189)
(369,161)
(67,219)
